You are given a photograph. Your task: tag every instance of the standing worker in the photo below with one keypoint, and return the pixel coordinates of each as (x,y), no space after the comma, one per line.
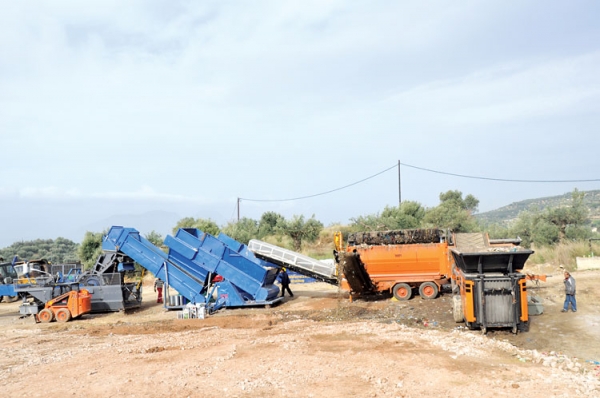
(285,283)
(569,293)
(158,287)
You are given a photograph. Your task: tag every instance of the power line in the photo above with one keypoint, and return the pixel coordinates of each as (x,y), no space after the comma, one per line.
(494,179)
(322,193)
(235,208)
(422,169)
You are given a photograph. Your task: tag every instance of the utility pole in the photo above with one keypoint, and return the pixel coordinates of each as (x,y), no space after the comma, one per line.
(399,185)
(238,208)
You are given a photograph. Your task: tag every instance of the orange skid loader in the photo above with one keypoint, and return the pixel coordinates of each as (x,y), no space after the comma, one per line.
(66,307)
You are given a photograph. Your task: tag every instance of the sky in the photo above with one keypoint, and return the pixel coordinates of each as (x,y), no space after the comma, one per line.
(150,111)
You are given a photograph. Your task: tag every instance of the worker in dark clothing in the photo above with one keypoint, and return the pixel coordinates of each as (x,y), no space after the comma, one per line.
(569,293)
(285,283)
(158,287)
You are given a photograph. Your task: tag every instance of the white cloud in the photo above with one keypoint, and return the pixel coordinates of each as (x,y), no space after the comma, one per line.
(517,91)
(144,193)
(197,102)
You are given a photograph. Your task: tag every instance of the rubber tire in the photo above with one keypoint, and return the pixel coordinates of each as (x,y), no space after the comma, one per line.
(92,280)
(46,315)
(428,290)
(63,315)
(402,291)
(457,309)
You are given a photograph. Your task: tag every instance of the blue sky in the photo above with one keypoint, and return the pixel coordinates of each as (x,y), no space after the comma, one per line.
(114,108)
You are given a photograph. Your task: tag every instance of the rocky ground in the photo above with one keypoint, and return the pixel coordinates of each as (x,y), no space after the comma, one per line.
(314,345)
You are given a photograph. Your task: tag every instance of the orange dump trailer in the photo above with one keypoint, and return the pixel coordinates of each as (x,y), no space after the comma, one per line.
(395,261)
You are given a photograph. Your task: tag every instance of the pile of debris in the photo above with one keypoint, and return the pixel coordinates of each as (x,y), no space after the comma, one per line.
(397,237)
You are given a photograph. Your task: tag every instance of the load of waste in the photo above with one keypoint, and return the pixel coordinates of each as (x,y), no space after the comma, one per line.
(397,237)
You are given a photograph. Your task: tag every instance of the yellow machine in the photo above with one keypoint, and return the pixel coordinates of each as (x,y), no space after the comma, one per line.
(29,271)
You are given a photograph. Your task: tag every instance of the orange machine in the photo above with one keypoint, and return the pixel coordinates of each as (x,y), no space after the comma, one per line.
(489,290)
(66,306)
(395,261)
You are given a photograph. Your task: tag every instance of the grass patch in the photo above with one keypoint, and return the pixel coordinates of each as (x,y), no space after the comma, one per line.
(564,254)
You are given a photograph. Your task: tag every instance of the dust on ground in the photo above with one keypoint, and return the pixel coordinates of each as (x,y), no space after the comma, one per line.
(313,345)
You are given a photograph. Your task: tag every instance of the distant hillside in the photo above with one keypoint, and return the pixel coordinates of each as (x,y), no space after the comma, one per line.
(510,212)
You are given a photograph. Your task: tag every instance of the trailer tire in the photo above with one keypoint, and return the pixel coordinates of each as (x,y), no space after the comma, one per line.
(9,299)
(63,315)
(402,291)
(428,290)
(46,315)
(457,310)
(92,280)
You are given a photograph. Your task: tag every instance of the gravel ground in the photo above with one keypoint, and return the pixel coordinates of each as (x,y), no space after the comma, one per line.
(316,344)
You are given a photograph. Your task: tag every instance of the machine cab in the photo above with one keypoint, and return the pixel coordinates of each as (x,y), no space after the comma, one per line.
(7,273)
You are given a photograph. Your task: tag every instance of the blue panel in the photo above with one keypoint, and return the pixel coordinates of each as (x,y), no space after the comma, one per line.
(188,282)
(246,273)
(125,267)
(193,256)
(7,290)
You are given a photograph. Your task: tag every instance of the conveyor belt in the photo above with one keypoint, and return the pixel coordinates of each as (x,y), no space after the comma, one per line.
(294,261)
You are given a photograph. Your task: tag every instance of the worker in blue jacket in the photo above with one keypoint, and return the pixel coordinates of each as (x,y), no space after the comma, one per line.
(285,283)
(569,293)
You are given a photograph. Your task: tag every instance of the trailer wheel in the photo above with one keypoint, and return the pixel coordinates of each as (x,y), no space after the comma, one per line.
(428,290)
(92,280)
(457,310)
(9,299)
(46,315)
(402,291)
(63,315)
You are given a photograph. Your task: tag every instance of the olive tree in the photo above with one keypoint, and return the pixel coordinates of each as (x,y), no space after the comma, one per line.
(409,215)
(90,248)
(454,212)
(268,223)
(204,225)
(567,215)
(300,230)
(242,230)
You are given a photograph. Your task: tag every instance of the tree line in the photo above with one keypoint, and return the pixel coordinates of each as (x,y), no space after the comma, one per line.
(569,221)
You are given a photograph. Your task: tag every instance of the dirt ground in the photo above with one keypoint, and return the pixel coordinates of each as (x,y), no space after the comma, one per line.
(315,345)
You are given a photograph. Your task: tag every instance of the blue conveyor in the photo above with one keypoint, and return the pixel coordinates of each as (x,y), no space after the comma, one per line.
(193,258)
